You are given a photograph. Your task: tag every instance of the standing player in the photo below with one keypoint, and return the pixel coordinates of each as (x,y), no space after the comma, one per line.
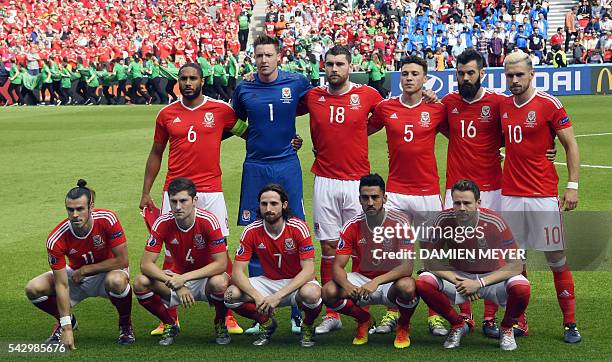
(95,244)
(473,278)
(379,281)
(194,239)
(339,109)
(530,121)
(285,250)
(269,103)
(193,126)
(412,125)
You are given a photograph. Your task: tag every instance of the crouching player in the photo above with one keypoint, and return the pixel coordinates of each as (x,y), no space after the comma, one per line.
(200,262)
(284,247)
(380,280)
(95,244)
(471,277)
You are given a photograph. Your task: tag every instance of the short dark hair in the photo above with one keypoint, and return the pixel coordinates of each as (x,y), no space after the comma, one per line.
(372,179)
(264,39)
(80,190)
(413,59)
(467,185)
(182,184)
(339,50)
(195,66)
(283,196)
(468,55)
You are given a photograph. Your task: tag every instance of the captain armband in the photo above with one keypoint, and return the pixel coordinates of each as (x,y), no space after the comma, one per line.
(239,128)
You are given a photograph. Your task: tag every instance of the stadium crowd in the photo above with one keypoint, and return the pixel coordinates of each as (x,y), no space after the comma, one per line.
(95,51)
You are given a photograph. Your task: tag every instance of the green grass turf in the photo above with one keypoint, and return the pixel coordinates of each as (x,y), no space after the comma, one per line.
(44,150)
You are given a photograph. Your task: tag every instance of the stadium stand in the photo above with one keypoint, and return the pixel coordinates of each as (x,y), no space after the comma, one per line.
(55,51)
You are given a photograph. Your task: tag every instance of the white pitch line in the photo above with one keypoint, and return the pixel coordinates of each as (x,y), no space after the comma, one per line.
(583,165)
(594,134)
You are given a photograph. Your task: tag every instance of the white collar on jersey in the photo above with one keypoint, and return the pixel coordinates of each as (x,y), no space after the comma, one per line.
(93,221)
(351,86)
(189,228)
(407,105)
(196,107)
(535,92)
(279,234)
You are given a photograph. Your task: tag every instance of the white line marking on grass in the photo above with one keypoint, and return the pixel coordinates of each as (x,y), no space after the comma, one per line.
(594,134)
(583,165)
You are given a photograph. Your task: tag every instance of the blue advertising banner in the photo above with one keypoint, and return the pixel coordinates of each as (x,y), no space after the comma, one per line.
(573,80)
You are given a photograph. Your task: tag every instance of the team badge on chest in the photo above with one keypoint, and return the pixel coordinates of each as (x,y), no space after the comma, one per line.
(531,120)
(425,120)
(485,113)
(98,242)
(354,101)
(198,241)
(289,245)
(286,95)
(209,120)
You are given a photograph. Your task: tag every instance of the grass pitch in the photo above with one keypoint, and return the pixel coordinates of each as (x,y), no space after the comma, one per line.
(44,150)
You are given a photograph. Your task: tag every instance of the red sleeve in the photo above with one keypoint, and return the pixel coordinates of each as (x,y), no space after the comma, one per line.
(155,240)
(345,243)
(443,126)
(161,133)
(56,258)
(217,240)
(305,247)
(115,234)
(560,119)
(375,98)
(377,120)
(229,118)
(245,249)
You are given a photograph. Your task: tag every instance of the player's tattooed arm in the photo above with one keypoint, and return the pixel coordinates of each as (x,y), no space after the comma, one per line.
(119,260)
(217,266)
(63,305)
(340,277)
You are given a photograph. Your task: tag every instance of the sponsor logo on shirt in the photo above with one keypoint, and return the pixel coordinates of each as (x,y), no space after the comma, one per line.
(530,122)
(98,243)
(322,99)
(482,243)
(174,242)
(209,120)
(362,241)
(393,116)
(261,246)
(455,111)
(425,120)
(198,241)
(177,120)
(72,252)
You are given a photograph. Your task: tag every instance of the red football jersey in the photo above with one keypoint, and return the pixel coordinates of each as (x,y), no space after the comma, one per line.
(195,141)
(279,257)
(96,247)
(357,239)
(190,249)
(529,130)
(495,234)
(411,139)
(475,137)
(339,129)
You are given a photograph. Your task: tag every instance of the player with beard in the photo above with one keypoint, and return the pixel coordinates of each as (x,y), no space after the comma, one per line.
(475,137)
(284,248)
(194,127)
(531,120)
